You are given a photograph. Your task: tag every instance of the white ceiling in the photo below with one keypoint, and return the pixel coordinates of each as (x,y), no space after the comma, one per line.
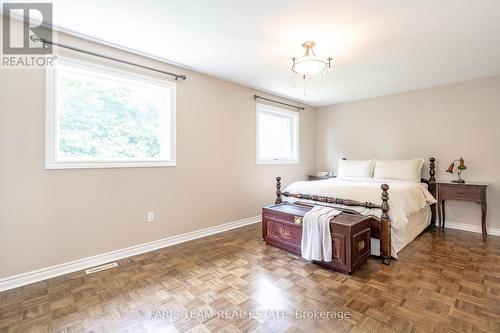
(379,47)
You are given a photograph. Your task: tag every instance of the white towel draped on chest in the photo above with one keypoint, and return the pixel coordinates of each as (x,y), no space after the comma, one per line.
(316,238)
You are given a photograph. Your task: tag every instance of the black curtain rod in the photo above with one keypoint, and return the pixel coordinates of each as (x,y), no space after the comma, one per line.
(45,41)
(278,102)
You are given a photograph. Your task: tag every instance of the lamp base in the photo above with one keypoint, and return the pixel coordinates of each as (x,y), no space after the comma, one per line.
(459,181)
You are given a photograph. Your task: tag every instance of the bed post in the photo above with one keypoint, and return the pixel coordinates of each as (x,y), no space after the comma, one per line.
(432,189)
(385,227)
(278,191)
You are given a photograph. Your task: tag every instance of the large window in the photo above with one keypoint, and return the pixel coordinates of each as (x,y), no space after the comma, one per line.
(99,116)
(277,135)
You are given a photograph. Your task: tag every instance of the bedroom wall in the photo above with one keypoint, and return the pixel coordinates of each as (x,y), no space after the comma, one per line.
(49,217)
(445,122)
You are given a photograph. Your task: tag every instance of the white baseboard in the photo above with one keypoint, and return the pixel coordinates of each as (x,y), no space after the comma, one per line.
(471,228)
(23,279)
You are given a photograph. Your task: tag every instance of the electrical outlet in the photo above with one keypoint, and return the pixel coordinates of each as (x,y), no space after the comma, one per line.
(151,216)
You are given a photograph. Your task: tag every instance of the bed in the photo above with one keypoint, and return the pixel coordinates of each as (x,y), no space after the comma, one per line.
(402,208)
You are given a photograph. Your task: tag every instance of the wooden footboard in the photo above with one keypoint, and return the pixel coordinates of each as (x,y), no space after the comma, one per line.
(381,228)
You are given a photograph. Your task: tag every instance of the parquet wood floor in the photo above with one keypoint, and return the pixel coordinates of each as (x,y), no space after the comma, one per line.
(442,282)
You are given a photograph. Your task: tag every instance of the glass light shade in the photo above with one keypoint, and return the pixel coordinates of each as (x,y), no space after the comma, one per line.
(309,66)
(462,166)
(450,168)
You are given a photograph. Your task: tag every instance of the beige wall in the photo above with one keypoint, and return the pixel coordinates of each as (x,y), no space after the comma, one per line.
(48,217)
(445,122)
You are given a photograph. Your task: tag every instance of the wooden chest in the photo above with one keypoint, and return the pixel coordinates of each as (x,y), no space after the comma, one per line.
(282,227)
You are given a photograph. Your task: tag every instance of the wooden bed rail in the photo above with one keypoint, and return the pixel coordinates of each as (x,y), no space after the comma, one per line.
(332,200)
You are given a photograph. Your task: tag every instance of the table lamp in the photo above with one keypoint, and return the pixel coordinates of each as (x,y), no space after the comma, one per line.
(460,168)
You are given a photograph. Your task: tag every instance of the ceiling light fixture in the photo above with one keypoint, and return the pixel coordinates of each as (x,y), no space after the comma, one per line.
(310,64)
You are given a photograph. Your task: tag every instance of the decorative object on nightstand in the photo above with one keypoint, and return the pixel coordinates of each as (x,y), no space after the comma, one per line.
(474,192)
(461,167)
(321,175)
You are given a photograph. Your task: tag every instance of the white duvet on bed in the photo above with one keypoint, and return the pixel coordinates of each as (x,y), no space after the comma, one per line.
(405,198)
(400,238)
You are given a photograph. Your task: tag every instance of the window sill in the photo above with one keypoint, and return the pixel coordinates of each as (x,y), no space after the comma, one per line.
(277,162)
(107,165)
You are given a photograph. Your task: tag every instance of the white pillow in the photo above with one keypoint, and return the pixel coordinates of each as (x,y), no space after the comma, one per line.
(409,170)
(353,168)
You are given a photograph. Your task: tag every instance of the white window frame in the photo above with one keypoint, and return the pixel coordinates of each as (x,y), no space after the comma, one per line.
(276,111)
(51,118)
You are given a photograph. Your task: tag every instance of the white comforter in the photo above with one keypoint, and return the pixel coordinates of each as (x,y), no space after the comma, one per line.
(405,198)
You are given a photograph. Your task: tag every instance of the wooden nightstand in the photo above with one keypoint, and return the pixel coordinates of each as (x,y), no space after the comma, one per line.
(475,192)
(316,177)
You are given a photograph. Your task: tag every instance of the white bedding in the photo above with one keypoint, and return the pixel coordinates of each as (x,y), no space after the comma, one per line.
(405,199)
(400,238)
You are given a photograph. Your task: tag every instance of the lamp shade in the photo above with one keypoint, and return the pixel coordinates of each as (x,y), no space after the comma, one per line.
(450,168)
(462,166)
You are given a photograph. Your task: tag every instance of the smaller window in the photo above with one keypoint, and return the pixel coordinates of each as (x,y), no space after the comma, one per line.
(277,135)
